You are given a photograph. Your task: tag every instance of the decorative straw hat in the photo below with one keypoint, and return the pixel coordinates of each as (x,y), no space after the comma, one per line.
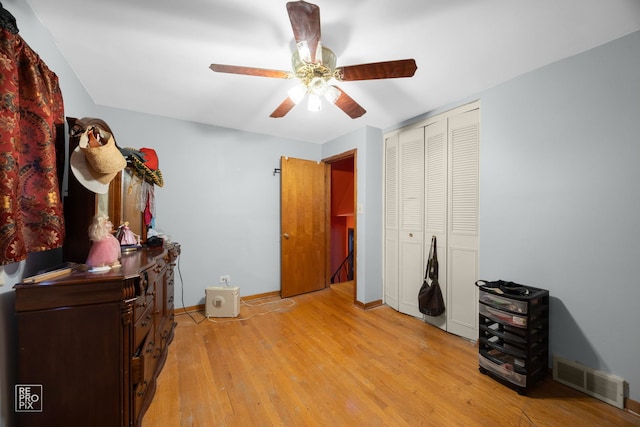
(96,160)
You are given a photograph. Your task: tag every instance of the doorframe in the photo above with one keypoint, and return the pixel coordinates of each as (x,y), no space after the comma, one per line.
(330,160)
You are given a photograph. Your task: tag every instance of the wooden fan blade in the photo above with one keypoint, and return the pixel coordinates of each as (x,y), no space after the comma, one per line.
(251,71)
(377,70)
(305,22)
(286,106)
(348,105)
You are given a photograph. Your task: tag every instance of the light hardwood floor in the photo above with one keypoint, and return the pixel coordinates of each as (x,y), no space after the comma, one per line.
(316,360)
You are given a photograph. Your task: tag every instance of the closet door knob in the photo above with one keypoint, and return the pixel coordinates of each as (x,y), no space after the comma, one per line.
(286,236)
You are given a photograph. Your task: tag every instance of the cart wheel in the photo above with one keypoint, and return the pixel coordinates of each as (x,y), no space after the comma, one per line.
(482,370)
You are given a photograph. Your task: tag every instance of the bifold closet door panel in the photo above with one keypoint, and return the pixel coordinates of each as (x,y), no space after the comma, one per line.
(411,219)
(462,224)
(435,198)
(391,227)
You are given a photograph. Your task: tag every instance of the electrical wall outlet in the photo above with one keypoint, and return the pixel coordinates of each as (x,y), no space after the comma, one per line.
(225,279)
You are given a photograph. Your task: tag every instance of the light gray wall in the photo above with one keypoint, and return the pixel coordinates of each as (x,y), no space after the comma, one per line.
(560,199)
(373,208)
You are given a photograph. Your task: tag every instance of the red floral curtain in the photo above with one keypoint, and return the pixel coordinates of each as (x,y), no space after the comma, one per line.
(31,215)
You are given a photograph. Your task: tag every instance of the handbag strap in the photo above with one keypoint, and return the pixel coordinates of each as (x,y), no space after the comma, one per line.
(433,268)
(432,256)
(433,246)
(426,271)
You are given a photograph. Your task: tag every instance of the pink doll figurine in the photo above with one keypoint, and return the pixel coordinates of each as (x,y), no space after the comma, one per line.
(126,236)
(105,248)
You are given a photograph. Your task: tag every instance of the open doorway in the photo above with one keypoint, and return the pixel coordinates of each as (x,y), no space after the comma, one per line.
(343,244)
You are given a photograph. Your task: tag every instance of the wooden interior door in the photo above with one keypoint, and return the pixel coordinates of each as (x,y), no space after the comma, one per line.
(304,215)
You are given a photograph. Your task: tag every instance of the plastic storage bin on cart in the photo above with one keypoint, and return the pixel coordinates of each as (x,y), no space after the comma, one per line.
(514,336)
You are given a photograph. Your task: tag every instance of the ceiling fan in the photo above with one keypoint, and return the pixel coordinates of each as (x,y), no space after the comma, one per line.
(315,66)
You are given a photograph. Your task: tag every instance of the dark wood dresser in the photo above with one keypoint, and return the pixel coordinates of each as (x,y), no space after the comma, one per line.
(93,344)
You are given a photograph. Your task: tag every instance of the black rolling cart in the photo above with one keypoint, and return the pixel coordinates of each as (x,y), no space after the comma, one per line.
(513,334)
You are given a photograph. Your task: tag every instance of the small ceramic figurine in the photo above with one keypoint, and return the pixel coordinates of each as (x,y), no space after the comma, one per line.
(126,236)
(105,248)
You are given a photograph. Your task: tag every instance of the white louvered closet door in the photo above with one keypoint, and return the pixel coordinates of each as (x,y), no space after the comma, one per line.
(462,235)
(431,188)
(411,219)
(435,135)
(391,222)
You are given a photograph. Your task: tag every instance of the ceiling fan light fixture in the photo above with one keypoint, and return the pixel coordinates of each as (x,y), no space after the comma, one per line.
(314,103)
(315,67)
(318,86)
(325,63)
(297,92)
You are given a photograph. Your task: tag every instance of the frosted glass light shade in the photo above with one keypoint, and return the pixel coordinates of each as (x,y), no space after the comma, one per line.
(332,94)
(314,103)
(296,93)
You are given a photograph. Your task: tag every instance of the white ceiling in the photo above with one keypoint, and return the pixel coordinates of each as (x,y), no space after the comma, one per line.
(153,56)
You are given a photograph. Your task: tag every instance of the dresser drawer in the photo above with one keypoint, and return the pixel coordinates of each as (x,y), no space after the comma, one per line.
(143,366)
(141,305)
(142,327)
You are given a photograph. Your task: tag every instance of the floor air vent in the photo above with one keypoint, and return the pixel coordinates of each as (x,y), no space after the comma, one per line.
(606,387)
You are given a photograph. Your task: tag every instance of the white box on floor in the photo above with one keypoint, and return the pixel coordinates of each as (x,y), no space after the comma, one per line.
(222,301)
